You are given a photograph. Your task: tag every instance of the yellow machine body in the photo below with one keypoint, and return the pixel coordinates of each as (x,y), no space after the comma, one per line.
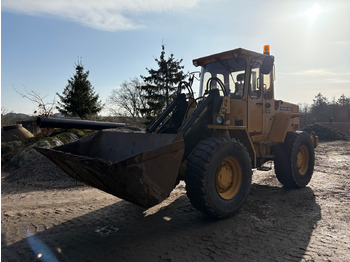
(236,100)
(251,114)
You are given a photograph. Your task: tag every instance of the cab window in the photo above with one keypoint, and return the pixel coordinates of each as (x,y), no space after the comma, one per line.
(231,72)
(237,79)
(267,85)
(254,85)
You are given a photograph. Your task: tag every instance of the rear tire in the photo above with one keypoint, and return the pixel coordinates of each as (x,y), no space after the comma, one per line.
(218,176)
(295,160)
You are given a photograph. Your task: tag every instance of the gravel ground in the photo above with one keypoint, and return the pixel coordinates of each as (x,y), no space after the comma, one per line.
(46,215)
(40,174)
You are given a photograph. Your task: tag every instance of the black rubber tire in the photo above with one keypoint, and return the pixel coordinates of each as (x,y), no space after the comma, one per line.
(203,166)
(290,172)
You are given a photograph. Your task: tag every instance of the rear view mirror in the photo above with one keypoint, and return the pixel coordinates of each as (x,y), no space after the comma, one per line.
(267,65)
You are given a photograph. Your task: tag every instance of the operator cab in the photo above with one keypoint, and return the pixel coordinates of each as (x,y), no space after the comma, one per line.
(240,71)
(246,77)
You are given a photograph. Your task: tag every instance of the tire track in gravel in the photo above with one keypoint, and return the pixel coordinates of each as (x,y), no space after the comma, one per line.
(177,231)
(84,224)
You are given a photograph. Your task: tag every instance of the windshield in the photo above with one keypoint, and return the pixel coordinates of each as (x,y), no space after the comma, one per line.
(231,72)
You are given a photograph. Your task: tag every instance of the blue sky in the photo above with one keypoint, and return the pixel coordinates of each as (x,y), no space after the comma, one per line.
(41,40)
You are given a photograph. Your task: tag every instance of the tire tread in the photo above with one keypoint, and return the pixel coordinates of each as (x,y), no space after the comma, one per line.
(198,163)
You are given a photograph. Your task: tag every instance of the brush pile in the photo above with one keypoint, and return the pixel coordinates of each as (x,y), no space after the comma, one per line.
(326,134)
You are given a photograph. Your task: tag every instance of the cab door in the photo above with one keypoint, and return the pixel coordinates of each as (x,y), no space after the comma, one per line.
(268,101)
(255,105)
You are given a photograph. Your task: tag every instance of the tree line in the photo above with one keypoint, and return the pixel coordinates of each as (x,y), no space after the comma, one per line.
(145,97)
(141,97)
(324,110)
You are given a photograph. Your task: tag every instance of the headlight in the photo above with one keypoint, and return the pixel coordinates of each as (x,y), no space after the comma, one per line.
(220,120)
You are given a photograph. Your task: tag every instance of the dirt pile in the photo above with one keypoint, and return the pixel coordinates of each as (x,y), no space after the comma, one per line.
(33,171)
(326,134)
(39,174)
(16,154)
(29,170)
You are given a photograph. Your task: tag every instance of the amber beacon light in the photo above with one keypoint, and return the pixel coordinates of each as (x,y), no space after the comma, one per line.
(266,50)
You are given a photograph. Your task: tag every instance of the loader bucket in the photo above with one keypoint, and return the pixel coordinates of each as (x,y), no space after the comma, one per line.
(141,168)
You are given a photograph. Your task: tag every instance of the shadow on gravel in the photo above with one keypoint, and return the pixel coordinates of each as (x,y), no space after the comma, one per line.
(273,225)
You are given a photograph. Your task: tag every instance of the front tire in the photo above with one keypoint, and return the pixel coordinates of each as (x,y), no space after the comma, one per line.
(295,160)
(218,176)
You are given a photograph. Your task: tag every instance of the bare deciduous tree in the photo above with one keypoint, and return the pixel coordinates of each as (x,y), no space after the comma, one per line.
(44,108)
(127,100)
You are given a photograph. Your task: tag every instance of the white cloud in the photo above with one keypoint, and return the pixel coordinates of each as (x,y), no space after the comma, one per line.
(109,15)
(323,76)
(339,80)
(316,72)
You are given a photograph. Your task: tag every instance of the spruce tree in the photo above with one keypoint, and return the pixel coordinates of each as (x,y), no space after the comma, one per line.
(79,98)
(161,84)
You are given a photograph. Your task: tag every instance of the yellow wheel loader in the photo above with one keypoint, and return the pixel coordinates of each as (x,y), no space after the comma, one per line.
(212,142)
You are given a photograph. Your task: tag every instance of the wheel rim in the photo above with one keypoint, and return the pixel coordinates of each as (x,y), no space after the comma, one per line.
(303,160)
(228,178)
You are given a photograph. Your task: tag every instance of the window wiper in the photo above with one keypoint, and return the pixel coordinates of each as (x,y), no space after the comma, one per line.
(229,69)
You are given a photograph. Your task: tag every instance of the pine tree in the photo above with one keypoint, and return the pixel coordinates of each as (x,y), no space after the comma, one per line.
(343,100)
(161,84)
(79,98)
(320,109)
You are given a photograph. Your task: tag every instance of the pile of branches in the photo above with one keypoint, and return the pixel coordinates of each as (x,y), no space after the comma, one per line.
(326,134)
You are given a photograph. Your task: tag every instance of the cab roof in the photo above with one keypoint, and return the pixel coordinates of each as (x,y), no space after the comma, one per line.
(235,53)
